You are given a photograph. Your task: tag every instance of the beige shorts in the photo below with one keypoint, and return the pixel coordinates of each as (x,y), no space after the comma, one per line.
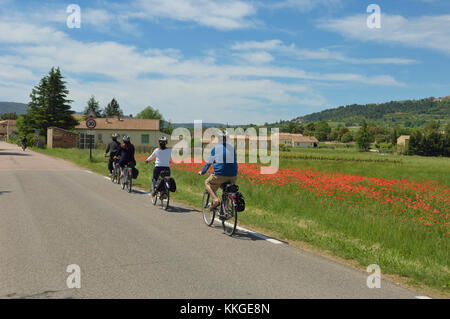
(215,181)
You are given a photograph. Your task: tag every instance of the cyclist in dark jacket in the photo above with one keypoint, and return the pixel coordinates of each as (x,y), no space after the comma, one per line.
(24,142)
(127,153)
(113,149)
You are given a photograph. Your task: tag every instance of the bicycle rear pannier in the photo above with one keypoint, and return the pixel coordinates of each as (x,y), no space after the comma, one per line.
(135,172)
(172,185)
(231,188)
(240,202)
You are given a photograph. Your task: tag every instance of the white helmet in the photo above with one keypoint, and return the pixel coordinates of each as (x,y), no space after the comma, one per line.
(126,138)
(162,140)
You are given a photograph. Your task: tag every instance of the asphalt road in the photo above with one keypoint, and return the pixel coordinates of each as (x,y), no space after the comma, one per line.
(54,214)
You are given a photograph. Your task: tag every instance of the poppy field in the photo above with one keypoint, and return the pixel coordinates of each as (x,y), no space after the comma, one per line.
(389,216)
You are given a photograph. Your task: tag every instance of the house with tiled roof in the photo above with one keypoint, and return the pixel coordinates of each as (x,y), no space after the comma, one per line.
(143,132)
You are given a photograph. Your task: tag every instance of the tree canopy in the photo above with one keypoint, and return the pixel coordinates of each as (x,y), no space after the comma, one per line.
(92,104)
(49,106)
(113,109)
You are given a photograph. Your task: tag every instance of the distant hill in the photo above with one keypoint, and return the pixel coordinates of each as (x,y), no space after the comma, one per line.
(10,107)
(407,113)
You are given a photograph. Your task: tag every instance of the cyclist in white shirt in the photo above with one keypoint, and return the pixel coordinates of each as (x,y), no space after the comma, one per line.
(163,156)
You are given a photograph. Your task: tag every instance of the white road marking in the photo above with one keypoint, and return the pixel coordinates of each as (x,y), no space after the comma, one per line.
(88,171)
(270,240)
(423,297)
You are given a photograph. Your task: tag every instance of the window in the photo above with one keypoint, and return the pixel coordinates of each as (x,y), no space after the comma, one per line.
(145,139)
(99,137)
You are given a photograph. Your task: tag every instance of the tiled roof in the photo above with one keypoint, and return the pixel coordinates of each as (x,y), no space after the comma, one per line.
(123,124)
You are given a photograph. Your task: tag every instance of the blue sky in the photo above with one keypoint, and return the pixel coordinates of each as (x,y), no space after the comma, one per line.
(231,61)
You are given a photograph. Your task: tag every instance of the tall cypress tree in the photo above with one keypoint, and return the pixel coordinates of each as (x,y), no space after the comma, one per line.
(49,106)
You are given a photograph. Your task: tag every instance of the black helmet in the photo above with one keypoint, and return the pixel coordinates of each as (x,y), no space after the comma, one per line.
(114,136)
(126,138)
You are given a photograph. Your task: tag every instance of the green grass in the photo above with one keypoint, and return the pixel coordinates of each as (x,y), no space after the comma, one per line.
(418,254)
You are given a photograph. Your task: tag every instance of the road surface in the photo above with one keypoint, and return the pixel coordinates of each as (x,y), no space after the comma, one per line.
(54,214)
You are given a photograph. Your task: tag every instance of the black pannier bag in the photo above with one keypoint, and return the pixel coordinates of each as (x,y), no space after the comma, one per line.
(135,172)
(240,202)
(172,185)
(231,188)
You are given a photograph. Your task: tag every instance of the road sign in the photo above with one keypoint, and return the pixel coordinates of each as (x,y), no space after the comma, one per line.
(90,123)
(91,114)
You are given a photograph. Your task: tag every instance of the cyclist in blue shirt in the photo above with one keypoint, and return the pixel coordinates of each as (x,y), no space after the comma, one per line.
(223,159)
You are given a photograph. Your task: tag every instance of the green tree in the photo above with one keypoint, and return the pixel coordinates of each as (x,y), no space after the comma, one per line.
(93,105)
(9,116)
(347,137)
(49,106)
(149,113)
(363,138)
(113,109)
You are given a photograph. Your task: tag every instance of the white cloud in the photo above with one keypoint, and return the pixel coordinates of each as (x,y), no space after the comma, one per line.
(303,5)
(429,32)
(306,54)
(260,57)
(221,15)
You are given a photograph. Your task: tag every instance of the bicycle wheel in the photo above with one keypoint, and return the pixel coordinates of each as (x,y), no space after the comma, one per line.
(130,184)
(165,198)
(208,215)
(229,218)
(123,180)
(113,175)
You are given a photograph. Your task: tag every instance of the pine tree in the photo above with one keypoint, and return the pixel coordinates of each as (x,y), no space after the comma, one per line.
(363,138)
(49,106)
(113,109)
(93,105)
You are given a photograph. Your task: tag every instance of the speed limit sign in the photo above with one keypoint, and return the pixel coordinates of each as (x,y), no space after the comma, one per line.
(90,123)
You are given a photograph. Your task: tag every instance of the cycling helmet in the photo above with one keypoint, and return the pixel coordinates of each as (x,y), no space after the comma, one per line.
(126,138)
(162,140)
(114,135)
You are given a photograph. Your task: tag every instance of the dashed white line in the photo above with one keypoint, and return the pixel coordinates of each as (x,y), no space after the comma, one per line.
(423,297)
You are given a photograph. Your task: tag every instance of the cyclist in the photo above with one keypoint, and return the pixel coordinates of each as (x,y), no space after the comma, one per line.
(24,142)
(163,156)
(223,158)
(126,154)
(113,149)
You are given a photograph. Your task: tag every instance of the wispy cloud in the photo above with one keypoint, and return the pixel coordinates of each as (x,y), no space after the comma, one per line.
(428,32)
(307,54)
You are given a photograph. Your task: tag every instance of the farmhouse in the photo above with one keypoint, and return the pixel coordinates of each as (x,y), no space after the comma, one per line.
(6,128)
(403,141)
(143,132)
(297,140)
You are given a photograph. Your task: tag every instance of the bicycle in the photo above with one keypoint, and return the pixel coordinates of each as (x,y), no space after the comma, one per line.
(127,179)
(163,192)
(228,208)
(115,174)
